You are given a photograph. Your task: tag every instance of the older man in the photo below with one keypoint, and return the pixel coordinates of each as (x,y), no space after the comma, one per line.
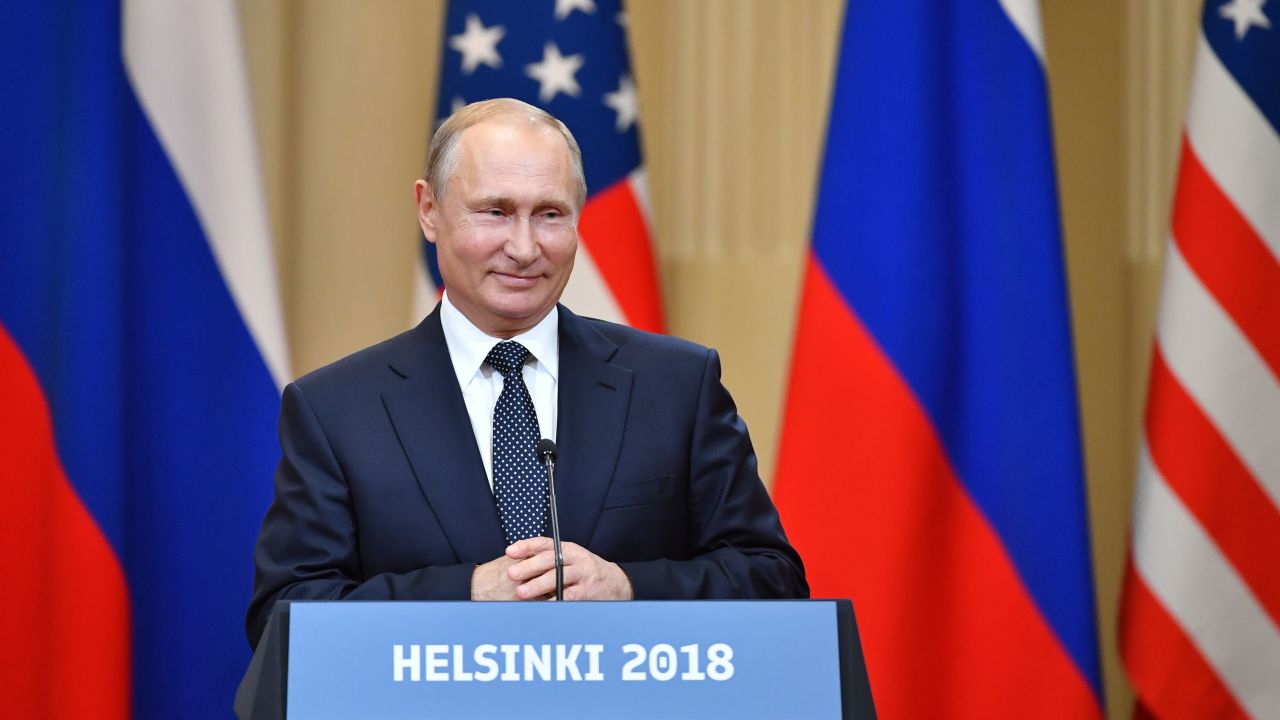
(409,469)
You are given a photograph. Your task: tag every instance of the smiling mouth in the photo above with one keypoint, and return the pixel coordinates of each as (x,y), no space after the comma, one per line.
(516,280)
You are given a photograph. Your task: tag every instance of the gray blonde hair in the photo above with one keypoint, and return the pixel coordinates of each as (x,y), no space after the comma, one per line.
(442,158)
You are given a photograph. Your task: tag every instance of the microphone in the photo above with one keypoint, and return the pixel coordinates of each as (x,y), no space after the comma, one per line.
(547,453)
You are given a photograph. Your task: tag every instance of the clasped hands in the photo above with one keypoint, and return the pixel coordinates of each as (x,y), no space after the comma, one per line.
(527,571)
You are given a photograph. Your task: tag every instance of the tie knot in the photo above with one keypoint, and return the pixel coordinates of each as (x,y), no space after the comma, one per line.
(507,356)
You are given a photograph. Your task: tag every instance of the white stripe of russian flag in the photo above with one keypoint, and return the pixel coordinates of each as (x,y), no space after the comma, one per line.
(1025,16)
(187,68)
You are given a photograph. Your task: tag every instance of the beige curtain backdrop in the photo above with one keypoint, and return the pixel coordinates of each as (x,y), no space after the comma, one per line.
(734,100)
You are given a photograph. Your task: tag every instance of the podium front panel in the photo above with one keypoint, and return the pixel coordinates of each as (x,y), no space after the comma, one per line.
(743,659)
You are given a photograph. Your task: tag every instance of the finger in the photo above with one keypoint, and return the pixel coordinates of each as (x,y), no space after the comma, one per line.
(528,547)
(573,576)
(578,563)
(573,552)
(577,589)
(543,584)
(532,567)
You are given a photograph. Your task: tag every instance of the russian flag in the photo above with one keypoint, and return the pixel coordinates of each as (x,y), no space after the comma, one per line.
(141,355)
(930,465)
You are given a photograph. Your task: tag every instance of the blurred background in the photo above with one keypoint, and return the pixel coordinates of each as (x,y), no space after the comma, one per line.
(734,103)
(142,354)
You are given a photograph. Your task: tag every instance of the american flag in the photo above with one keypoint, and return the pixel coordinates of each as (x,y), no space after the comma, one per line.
(1200,617)
(568,57)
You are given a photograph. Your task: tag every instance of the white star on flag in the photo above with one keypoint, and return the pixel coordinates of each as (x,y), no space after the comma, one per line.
(1246,14)
(478,45)
(625,102)
(564,7)
(555,73)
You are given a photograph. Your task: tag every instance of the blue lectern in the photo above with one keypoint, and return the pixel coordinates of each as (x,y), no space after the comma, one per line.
(668,659)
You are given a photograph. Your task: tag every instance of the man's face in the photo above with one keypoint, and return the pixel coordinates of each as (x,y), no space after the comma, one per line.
(506,230)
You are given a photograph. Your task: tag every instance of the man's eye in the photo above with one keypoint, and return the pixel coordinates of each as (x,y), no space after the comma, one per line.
(551,214)
(493,212)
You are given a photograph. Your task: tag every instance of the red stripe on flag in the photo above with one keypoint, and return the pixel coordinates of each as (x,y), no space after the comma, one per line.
(1199,465)
(1169,675)
(614,231)
(873,505)
(64,617)
(1228,256)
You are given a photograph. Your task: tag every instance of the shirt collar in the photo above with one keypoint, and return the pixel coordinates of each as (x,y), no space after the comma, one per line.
(469,345)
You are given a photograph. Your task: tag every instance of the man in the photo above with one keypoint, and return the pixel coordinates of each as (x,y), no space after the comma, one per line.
(409,469)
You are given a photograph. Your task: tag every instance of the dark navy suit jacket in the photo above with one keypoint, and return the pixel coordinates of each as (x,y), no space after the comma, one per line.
(381,493)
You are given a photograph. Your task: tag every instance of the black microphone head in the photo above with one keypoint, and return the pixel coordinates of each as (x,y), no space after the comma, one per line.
(546,449)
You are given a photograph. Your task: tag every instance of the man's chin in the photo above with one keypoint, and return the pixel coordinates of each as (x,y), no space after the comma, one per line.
(526,312)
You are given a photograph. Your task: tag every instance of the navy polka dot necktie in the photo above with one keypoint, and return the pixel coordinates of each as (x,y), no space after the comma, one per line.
(519,480)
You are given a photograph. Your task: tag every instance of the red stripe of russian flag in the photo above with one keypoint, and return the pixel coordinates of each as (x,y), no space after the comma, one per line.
(64,622)
(881,518)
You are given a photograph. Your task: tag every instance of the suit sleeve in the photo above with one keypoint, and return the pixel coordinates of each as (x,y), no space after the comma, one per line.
(738,548)
(307,547)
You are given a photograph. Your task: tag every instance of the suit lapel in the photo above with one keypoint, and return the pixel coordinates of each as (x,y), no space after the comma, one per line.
(594,396)
(430,418)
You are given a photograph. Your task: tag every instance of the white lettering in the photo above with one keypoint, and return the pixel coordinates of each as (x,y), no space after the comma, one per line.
(539,660)
(560,662)
(662,662)
(720,662)
(436,662)
(412,663)
(638,653)
(691,653)
(484,658)
(459,674)
(509,654)
(593,662)
(567,662)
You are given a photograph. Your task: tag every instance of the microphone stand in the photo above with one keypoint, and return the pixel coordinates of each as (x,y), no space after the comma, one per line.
(547,451)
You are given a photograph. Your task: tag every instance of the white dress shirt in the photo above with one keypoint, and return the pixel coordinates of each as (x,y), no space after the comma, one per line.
(481,385)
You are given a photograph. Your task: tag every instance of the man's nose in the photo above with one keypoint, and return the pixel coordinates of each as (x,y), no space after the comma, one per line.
(522,244)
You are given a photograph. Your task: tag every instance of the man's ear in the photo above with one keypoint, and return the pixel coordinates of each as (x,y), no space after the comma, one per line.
(428,209)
